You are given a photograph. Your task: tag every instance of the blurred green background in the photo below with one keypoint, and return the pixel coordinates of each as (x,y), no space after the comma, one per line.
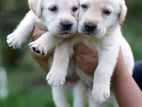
(26,79)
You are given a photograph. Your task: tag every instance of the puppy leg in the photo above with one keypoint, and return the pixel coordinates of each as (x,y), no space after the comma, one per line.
(22,32)
(103,73)
(59,97)
(79,95)
(91,101)
(58,71)
(44,44)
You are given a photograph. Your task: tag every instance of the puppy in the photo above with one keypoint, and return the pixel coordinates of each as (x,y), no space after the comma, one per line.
(100,29)
(60,22)
(60,17)
(99,22)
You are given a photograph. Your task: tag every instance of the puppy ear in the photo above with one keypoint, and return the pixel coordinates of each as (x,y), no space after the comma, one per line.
(123,11)
(35,6)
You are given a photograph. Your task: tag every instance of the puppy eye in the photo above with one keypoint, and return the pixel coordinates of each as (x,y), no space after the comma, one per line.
(74,9)
(53,8)
(84,6)
(106,12)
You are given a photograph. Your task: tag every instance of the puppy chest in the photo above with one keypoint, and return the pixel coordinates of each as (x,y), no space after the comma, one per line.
(92,44)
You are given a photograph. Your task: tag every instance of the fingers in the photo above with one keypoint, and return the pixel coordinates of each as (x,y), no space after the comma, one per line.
(86,58)
(82,48)
(87,66)
(38,30)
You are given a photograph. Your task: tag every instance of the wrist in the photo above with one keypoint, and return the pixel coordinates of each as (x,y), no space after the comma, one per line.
(121,73)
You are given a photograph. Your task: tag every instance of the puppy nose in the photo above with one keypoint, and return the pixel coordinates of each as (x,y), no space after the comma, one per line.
(66,25)
(90,27)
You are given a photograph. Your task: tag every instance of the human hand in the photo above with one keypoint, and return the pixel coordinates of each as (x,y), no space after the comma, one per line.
(38,30)
(86,58)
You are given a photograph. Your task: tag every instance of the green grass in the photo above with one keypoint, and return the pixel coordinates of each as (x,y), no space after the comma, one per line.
(27,86)
(24,92)
(36,97)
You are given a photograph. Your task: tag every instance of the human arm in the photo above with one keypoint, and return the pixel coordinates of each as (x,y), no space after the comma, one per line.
(127,92)
(125,88)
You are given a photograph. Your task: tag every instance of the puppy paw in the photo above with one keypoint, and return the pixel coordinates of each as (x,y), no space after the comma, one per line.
(101,92)
(38,48)
(55,79)
(15,40)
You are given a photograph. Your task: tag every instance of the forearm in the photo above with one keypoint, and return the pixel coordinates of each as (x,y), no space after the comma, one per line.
(125,88)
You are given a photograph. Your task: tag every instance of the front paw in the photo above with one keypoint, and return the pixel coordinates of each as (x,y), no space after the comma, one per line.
(15,40)
(38,48)
(101,92)
(55,79)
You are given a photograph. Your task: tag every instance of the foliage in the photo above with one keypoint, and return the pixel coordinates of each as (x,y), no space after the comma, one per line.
(38,97)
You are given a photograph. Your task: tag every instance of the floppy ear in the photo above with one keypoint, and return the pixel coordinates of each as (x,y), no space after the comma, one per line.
(123,11)
(35,6)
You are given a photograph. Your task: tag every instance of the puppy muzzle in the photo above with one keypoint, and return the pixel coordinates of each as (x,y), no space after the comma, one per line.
(89,28)
(66,27)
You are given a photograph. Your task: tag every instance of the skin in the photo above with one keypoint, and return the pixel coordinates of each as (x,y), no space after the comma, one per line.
(125,88)
(41,60)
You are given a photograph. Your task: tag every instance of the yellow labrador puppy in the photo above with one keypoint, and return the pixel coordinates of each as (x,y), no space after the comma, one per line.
(99,21)
(60,17)
(100,29)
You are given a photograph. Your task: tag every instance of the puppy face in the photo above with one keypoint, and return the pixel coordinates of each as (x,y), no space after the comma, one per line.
(60,16)
(97,17)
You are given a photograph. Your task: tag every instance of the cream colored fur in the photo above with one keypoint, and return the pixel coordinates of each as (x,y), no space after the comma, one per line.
(40,12)
(107,40)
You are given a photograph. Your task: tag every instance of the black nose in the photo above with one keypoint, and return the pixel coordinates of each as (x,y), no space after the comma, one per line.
(90,27)
(66,25)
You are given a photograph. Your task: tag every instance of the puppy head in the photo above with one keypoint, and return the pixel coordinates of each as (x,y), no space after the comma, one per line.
(98,17)
(60,16)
